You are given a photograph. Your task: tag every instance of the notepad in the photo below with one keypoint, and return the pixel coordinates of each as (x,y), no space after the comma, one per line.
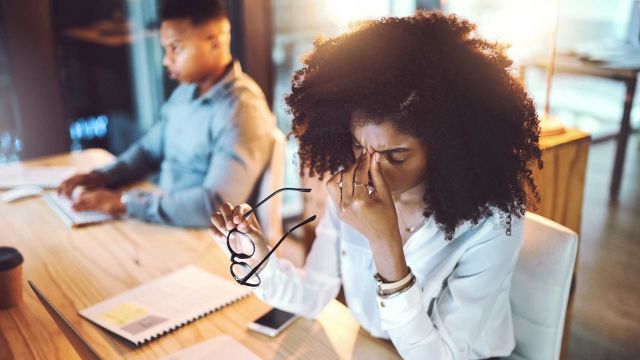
(162,305)
(49,177)
(213,349)
(63,207)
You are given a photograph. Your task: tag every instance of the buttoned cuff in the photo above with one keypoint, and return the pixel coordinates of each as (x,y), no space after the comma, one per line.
(398,310)
(137,203)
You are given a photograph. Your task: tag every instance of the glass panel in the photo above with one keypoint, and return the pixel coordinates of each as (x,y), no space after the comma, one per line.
(590,103)
(10,125)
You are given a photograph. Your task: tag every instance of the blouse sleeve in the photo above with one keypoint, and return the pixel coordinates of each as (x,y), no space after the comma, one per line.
(306,291)
(461,312)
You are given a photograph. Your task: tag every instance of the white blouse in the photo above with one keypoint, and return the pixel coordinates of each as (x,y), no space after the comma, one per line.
(458,309)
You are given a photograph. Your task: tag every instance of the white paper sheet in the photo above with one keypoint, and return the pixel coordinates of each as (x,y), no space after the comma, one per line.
(49,177)
(220,347)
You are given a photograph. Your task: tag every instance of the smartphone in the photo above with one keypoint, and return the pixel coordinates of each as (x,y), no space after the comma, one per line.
(273,322)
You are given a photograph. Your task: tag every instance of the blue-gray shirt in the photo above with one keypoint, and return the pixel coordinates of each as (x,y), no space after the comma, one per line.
(209,149)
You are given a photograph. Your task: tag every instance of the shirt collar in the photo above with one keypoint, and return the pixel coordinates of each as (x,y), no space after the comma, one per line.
(231,75)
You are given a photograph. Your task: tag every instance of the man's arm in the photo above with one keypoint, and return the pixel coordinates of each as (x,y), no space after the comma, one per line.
(238,159)
(139,160)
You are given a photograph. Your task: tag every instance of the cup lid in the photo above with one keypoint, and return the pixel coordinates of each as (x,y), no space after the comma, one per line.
(9,258)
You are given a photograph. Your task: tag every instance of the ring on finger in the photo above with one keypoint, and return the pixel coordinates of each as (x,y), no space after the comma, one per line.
(370,189)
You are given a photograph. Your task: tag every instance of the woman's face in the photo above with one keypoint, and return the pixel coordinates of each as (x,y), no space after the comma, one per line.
(403,159)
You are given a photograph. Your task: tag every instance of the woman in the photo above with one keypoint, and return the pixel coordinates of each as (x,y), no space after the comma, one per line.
(436,138)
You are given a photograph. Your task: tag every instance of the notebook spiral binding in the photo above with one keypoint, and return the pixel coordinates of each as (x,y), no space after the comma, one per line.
(179,325)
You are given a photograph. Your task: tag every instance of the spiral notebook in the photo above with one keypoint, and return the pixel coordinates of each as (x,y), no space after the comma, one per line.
(159,306)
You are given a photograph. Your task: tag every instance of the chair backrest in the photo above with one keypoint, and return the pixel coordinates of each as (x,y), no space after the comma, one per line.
(540,288)
(270,213)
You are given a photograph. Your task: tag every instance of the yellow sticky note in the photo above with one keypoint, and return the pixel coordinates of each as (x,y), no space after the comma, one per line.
(124,314)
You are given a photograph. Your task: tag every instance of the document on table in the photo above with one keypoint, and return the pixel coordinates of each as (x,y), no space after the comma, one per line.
(212,349)
(49,177)
(159,306)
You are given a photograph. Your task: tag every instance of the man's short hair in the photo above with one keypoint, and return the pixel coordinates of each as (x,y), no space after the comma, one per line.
(198,11)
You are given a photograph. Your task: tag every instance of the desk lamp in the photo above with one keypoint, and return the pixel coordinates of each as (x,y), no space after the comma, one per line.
(550,125)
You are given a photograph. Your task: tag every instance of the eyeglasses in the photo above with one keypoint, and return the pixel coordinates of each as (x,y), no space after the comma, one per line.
(242,247)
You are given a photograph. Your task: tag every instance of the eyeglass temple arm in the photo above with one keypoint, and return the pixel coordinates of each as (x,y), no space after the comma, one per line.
(248,213)
(255,268)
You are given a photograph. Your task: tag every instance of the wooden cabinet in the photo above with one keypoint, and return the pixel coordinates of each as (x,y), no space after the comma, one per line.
(561,180)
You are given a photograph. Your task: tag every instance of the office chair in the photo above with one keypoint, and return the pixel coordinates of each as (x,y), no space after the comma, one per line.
(540,288)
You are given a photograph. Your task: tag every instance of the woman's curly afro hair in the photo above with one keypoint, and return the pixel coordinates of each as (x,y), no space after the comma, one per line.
(431,77)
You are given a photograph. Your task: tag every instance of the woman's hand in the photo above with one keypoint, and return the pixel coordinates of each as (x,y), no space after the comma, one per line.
(373,214)
(230,217)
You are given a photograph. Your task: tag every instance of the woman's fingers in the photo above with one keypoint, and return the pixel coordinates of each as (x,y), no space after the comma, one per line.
(217,220)
(219,238)
(239,219)
(377,178)
(361,176)
(334,188)
(226,210)
(216,234)
(348,176)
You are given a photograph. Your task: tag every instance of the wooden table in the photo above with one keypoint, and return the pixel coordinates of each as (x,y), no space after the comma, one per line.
(77,268)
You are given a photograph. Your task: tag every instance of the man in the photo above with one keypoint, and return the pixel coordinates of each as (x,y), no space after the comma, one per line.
(213,141)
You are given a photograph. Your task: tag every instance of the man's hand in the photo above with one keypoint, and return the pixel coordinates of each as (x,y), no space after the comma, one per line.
(89,181)
(104,201)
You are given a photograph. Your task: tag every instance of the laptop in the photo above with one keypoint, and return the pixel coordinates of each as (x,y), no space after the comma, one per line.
(82,347)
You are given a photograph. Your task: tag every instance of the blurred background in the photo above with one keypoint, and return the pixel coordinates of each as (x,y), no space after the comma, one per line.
(76,74)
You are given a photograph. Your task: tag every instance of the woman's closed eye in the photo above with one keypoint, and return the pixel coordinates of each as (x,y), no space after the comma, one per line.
(393,160)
